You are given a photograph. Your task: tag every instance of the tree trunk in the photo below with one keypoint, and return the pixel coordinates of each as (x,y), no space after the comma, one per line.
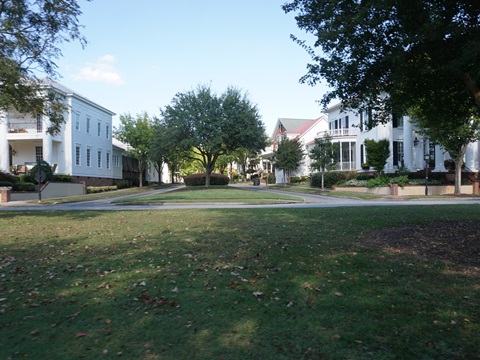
(458,175)
(208,171)
(323,180)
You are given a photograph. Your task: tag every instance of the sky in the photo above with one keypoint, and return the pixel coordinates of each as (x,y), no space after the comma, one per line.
(141,53)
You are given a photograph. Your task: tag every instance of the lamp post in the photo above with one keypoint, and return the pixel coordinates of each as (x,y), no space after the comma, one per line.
(427,157)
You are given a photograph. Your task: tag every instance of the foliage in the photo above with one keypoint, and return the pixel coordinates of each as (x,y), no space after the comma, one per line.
(377,153)
(23,186)
(122,184)
(289,155)
(212,125)
(6,183)
(31,33)
(390,56)
(270,178)
(62,178)
(138,133)
(8,177)
(400,180)
(299,179)
(200,179)
(26,178)
(97,189)
(331,178)
(324,154)
(46,168)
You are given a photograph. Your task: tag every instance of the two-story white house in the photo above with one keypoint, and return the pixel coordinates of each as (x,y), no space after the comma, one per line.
(82,148)
(407,147)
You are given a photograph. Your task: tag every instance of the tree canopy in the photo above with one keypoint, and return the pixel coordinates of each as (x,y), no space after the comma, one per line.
(389,55)
(289,155)
(138,133)
(211,125)
(31,33)
(377,153)
(323,155)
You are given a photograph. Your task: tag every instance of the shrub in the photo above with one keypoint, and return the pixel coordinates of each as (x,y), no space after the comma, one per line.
(270,178)
(332,178)
(8,177)
(26,178)
(122,184)
(46,168)
(62,178)
(98,189)
(24,186)
(6,183)
(363,176)
(200,179)
(400,180)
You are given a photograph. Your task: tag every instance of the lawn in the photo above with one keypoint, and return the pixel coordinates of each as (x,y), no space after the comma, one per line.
(236,284)
(216,194)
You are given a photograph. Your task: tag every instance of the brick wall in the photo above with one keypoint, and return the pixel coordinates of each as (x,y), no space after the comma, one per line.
(93,181)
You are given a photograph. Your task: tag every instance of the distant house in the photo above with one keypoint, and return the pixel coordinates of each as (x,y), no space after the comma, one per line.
(303,129)
(82,148)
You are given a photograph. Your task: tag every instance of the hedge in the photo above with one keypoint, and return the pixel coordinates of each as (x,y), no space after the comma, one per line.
(332,178)
(98,189)
(200,179)
(24,186)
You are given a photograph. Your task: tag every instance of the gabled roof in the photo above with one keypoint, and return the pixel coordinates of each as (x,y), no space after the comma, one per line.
(296,126)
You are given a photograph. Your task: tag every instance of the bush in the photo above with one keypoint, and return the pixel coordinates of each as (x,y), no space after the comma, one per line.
(363,176)
(46,168)
(122,184)
(62,178)
(24,186)
(8,177)
(270,177)
(99,189)
(6,183)
(378,182)
(299,179)
(26,178)
(400,180)
(332,178)
(200,179)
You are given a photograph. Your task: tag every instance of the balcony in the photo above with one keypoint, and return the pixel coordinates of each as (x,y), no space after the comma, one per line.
(338,132)
(16,127)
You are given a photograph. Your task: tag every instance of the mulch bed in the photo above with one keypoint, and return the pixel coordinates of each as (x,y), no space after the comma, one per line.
(450,241)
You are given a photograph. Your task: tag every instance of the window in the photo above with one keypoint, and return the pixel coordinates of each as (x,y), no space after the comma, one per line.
(77,154)
(99,159)
(77,121)
(107,132)
(99,129)
(39,124)
(38,153)
(115,160)
(366,121)
(398,153)
(89,157)
(88,125)
(107,160)
(397,121)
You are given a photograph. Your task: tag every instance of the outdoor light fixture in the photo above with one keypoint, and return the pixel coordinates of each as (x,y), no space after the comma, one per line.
(415,142)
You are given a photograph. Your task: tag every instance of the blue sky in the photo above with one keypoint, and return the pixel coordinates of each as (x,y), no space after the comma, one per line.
(139,56)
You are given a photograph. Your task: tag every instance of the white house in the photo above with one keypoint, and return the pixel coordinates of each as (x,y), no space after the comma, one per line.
(306,130)
(407,147)
(82,148)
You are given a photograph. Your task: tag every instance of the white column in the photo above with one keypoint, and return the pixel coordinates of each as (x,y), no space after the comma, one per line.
(408,144)
(439,159)
(389,135)
(471,156)
(4,149)
(47,141)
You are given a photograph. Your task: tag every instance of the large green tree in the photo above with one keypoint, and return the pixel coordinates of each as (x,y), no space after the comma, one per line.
(324,155)
(137,132)
(289,156)
(415,57)
(211,125)
(31,32)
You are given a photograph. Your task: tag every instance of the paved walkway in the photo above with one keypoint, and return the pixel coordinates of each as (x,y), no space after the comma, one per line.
(310,201)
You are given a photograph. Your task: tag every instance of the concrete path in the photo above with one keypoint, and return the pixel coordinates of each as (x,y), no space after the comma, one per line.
(310,201)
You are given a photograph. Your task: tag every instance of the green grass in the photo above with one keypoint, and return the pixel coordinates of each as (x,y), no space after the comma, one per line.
(212,195)
(306,189)
(102,195)
(230,284)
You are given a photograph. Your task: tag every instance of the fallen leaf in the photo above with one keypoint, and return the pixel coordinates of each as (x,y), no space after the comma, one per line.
(81,334)
(338,293)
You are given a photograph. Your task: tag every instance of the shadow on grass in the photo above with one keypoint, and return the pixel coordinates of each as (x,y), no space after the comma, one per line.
(240,284)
